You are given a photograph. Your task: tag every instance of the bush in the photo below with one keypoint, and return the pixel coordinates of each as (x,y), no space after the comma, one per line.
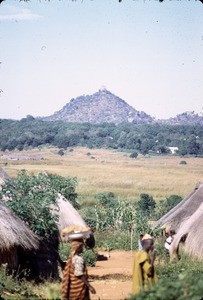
(134,155)
(90,257)
(182,162)
(180,280)
(115,240)
(186,287)
(146,204)
(10,288)
(61,152)
(34,195)
(166,205)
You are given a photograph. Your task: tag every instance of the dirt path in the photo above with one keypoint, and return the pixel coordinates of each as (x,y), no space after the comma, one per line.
(112,278)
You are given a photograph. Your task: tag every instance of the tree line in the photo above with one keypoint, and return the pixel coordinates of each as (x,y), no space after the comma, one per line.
(32,132)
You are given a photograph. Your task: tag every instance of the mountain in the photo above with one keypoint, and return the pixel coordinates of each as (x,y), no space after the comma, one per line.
(101,107)
(105,107)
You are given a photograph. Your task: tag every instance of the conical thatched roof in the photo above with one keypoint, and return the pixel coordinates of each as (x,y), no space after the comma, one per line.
(68,215)
(192,230)
(3,176)
(14,232)
(182,212)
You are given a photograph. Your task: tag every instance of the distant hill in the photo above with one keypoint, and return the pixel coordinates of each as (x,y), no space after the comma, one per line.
(101,107)
(186,118)
(105,107)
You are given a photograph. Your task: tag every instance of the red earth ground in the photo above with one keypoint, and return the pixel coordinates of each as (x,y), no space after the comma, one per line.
(112,278)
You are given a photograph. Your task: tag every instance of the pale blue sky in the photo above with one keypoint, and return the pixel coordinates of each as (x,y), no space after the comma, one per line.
(148,53)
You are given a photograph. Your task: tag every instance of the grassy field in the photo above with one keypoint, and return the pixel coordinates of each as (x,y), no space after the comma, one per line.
(99,170)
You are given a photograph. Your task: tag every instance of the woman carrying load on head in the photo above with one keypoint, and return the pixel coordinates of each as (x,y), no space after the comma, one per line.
(75,285)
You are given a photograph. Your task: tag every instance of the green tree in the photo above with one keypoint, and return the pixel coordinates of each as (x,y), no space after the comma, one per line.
(146,204)
(134,155)
(166,205)
(32,198)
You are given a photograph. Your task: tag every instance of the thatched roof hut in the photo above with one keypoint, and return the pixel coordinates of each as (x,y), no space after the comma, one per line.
(189,235)
(68,215)
(175,218)
(3,176)
(14,235)
(44,261)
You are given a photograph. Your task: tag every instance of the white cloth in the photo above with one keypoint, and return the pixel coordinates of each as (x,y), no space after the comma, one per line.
(140,245)
(168,242)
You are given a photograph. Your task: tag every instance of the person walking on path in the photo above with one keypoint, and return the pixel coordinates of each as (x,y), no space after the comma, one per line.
(75,284)
(144,274)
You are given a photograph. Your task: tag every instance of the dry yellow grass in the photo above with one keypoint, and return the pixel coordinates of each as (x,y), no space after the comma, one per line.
(101,170)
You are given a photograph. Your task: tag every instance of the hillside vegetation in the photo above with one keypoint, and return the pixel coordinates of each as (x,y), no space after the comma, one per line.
(144,138)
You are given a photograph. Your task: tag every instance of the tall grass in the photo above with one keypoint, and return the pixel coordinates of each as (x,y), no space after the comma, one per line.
(116,172)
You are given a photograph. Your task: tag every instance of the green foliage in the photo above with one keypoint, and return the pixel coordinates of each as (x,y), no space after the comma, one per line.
(186,287)
(113,240)
(64,250)
(134,155)
(141,225)
(106,199)
(11,289)
(61,152)
(146,204)
(89,256)
(113,213)
(65,186)
(32,196)
(180,280)
(177,267)
(182,162)
(89,215)
(31,132)
(166,205)
(190,145)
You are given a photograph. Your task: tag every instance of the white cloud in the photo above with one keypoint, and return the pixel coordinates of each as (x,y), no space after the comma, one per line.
(13,13)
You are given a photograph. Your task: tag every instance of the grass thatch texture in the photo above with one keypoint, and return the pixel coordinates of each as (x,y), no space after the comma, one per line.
(192,230)
(3,176)
(68,215)
(14,232)
(183,210)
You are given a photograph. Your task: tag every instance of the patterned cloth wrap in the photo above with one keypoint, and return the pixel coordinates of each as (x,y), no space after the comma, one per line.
(73,287)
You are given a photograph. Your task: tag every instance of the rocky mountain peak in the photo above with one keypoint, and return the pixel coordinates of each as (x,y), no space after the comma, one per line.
(100,107)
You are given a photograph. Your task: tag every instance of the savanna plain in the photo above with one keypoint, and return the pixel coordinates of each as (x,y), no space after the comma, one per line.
(99,170)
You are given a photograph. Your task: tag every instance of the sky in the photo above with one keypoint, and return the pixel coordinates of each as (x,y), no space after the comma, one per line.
(150,54)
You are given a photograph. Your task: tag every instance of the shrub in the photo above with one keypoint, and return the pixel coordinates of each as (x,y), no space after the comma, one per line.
(146,204)
(182,162)
(34,195)
(90,257)
(166,205)
(61,152)
(12,289)
(185,287)
(115,240)
(179,280)
(134,155)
